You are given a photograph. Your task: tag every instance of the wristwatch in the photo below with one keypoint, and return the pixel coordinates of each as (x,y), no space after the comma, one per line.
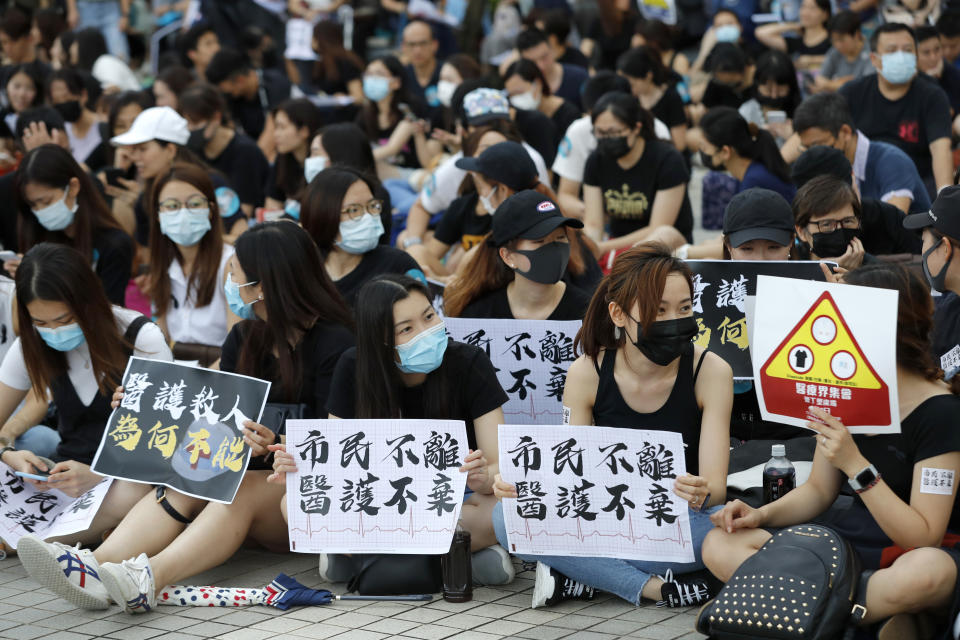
(409,242)
(865,479)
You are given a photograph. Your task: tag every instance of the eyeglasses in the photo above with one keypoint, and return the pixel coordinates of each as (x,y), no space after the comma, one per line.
(193,204)
(354,211)
(829,226)
(418,44)
(609,133)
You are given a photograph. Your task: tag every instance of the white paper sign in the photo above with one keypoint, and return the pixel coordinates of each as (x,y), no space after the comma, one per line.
(46,513)
(531,358)
(936,481)
(375,486)
(826,345)
(595,491)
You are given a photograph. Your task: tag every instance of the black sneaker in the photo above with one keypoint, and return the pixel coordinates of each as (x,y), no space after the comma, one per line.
(552,587)
(685,591)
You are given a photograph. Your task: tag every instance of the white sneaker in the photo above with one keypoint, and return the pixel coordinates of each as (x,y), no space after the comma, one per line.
(70,572)
(492,566)
(552,587)
(130,584)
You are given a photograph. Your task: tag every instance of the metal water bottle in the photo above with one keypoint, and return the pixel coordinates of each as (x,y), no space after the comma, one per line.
(779,475)
(456,568)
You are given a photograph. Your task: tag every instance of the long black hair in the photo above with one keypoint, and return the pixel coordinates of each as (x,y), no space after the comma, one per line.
(369,115)
(379,385)
(346,144)
(297,294)
(725,127)
(627,110)
(301,113)
(777,66)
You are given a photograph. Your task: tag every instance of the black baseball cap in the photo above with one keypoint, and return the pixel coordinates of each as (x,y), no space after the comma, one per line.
(528,215)
(944,215)
(758,214)
(506,162)
(820,160)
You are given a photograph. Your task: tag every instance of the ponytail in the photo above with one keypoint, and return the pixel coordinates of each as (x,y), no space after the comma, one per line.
(725,127)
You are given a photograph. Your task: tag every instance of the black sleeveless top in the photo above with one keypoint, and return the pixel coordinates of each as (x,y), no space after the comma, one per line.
(679,413)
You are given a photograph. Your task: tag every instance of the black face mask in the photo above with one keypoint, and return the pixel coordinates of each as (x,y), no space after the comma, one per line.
(833,244)
(548,263)
(707,161)
(779,104)
(667,339)
(613,147)
(70,110)
(939,281)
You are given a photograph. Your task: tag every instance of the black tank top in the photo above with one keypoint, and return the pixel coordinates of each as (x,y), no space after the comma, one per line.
(679,413)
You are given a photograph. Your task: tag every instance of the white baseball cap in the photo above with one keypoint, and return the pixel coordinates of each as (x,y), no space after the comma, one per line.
(155,123)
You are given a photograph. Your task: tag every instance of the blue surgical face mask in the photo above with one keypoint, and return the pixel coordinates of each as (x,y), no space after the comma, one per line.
(243,310)
(312,166)
(185,227)
(898,67)
(360,235)
(65,338)
(727,33)
(424,352)
(58,216)
(376,88)
(292,208)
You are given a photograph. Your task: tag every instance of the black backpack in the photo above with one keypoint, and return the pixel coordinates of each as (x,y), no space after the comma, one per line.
(801,584)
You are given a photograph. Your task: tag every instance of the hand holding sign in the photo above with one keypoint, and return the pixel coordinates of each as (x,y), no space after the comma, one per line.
(835,443)
(283,463)
(476,466)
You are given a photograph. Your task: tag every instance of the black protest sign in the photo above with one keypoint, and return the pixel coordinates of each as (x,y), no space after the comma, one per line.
(182,427)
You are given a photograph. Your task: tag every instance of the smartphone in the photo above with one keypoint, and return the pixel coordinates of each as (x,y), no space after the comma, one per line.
(774,117)
(34,476)
(8,255)
(406,111)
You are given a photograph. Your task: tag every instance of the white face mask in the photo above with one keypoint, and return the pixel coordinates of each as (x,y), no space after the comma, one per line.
(485,201)
(58,216)
(445,91)
(312,166)
(526,101)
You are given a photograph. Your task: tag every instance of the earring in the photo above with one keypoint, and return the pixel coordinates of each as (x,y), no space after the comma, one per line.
(617,333)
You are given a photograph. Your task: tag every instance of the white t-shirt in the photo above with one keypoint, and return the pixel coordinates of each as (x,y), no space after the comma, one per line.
(442,186)
(81,148)
(186,322)
(579,143)
(150,343)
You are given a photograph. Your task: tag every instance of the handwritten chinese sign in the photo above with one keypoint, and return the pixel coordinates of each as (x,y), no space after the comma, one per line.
(43,512)
(375,486)
(595,491)
(831,346)
(720,289)
(531,358)
(182,427)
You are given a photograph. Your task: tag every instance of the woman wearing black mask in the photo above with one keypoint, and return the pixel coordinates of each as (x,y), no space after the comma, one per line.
(775,93)
(68,96)
(827,214)
(518,271)
(640,370)
(632,180)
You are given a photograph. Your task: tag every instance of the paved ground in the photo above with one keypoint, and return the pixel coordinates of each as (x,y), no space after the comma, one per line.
(28,611)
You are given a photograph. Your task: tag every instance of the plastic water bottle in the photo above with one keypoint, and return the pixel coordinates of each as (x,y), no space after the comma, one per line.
(779,475)
(457,568)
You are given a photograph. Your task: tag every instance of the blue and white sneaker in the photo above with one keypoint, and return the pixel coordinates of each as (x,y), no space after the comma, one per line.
(130,584)
(70,572)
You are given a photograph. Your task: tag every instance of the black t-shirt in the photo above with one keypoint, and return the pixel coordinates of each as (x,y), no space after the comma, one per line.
(471,379)
(930,430)
(883,231)
(112,259)
(8,211)
(911,123)
(426,94)
(946,334)
(461,222)
(669,109)
(563,118)
(407,157)
(495,305)
(571,83)
(539,132)
(245,166)
(796,47)
(628,193)
(377,261)
(608,47)
(573,56)
(251,114)
(346,72)
(949,81)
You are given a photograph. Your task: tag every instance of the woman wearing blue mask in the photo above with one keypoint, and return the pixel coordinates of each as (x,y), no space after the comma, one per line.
(188,258)
(404,366)
(295,123)
(74,343)
(58,202)
(342,215)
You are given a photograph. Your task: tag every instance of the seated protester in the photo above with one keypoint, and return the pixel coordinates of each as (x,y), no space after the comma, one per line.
(453,72)
(336,70)
(881,223)
(848,58)
(188,258)
(651,84)
(639,370)
(749,153)
(17,41)
(890,512)
(518,271)
(563,80)
(656,34)
(157,139)
(725,29)
(729,84)
(74,343)
(882,170)
(930,62)
(556,24)
(405,366)
(123,112)
(215,140)
(948,25)
(294,123)
(23,88)
(88,52)
(633,180)
(342,216)
(293,333)
(826,212)
(419,46)
(169,84)
(57,201)
(84,132)
(811,39)
(197,46)
(776,95)
(607,36)
(528,91)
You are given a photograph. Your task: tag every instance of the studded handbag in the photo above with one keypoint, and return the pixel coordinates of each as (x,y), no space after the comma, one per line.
(802,584)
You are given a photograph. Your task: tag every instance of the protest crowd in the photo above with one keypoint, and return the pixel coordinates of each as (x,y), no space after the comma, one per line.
(314,193)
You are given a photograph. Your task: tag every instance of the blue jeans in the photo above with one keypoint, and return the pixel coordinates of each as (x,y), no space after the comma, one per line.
(625,578)
(39,440)
(105,16)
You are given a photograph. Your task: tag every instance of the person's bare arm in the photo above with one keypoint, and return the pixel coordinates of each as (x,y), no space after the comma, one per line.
(771,35)
(593,213)
(32,412)
(568,196)
(942,162)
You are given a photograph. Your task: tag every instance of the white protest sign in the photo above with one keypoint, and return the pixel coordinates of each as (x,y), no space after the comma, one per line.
(531,358)
(46,513)
(375,486)
(826,345)
(595,491)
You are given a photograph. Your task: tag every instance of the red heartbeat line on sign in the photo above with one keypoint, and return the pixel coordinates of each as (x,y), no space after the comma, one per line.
(361,531)
(581,536)
(532,412)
